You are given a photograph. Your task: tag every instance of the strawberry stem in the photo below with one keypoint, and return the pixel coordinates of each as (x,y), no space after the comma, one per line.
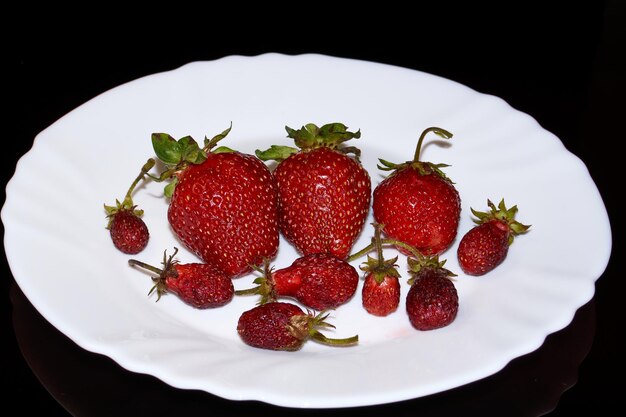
(436,130)
(360,253)
(265,287)
(160,284)
(379,245)
(403,245)
(135,262)
(144,170)
(372,246)
(249,291)
(168,262)
(319,337)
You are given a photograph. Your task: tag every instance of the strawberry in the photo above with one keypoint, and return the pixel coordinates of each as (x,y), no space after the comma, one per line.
(224,204)
(319,281)
(381,289)
(432,301)
(284,326)
(418,203)
(486,245)
(324,195)
(128,231)
(199,285)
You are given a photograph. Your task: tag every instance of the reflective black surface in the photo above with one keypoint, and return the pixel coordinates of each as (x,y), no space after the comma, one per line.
(563,67)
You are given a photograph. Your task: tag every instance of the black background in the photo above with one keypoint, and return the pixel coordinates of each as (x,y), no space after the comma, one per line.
(563,66)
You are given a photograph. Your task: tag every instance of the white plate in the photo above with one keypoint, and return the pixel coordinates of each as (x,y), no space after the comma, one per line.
(63,259)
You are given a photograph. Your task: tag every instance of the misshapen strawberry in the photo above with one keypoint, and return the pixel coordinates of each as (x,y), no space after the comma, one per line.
(224,204)
(324,195)
(486,245)
(199,285)
(320,281)
(283,326)
(381,288)
(432,301)
(417,203)
(129,232)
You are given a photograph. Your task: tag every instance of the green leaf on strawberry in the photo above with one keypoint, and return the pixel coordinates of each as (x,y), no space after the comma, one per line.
(190,151)
(503,215)
(329,135)
(222,149)
(175,152)
(276,153)
(210,143)
(179,154)
(166,148)
(168,191)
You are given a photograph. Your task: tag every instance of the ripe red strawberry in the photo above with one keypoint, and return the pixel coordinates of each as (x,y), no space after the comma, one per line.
(417,203)
(128,231)
(224,204)
(432,301)
(320,281)
(381,289)
(283,326)
(485,246)
(199,285)
(324,195)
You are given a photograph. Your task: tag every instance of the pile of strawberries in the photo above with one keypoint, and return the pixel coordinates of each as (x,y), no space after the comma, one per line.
(228,208)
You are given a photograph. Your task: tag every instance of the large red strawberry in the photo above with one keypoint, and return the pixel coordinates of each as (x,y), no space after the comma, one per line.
(320,281)
(324,195)
(199,285)
(283,326)
(381,288)
(486,245)
(224,204)
(417,203)
(129,232)
(432,301)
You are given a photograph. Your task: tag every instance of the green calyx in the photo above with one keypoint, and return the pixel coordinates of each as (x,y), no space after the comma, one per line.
(264,287)
(424,168)
(310,136)
(502,214)
(179,154)
(168,271)
(380,267)
(418,264)
(306,326)
(127,203)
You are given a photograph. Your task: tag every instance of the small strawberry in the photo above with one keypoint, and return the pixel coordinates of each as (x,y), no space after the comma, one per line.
(128,231)
(486,245)
(199,285)
(324,195)
(418,203)
(224,204)
(320,281)
(381,289)
(284,326)
(432,301)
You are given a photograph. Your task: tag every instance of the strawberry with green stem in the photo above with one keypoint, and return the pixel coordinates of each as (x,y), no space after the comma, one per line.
(129,232)
(418,203)
(432,301)
(199,285)
(223,203)
(324,195)
(320,281)
(486,245)
(284,326)
(381,287)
